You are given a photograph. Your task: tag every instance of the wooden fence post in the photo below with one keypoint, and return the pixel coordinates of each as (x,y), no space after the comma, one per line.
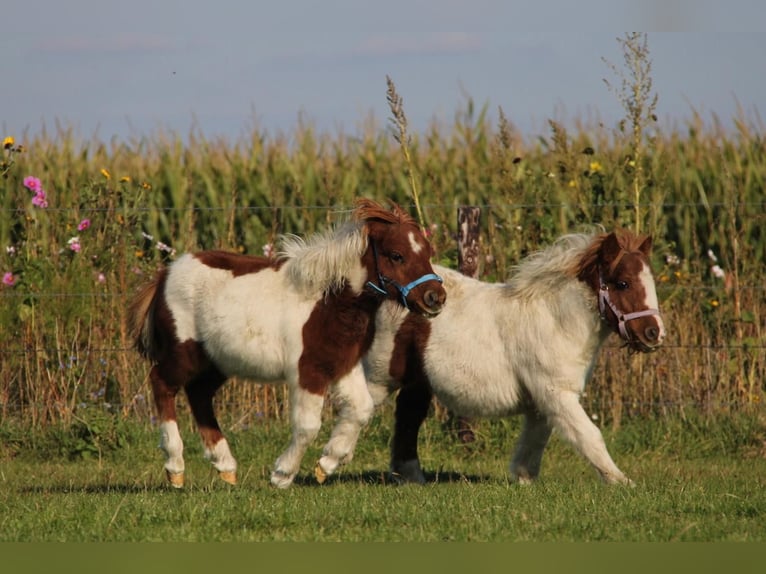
(468,240)
(468,264)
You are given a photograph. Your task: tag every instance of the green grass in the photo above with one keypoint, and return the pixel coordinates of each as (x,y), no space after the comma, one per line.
(682,493)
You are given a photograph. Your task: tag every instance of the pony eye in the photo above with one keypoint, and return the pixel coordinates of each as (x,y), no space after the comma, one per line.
(621,285)
(396,257)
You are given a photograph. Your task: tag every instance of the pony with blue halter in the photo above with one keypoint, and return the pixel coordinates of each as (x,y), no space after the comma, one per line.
(305,318)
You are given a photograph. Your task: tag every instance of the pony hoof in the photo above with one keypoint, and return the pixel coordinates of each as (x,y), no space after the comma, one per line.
(228,476)
(320,474)
(176,479)
(281,479)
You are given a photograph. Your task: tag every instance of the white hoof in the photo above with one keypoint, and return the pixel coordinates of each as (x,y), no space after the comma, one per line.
(281,479)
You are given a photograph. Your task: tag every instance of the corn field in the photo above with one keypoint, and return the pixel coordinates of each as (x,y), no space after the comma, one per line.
(84,223)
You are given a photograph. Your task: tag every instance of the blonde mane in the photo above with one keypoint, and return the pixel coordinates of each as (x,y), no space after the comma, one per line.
(544,270)
(322,262)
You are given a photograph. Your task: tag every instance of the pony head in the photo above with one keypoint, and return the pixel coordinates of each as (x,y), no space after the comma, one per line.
(617,267)
(398,258)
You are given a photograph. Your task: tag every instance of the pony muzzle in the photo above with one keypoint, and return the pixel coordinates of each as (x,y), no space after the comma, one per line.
(651,337)
(432,301)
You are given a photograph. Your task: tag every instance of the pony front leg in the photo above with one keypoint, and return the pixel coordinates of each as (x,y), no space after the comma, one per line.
(354,405)
(525,465)
(306,419)
(412,404)
(567,415)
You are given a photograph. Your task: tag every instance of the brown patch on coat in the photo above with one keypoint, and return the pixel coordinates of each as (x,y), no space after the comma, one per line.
(406,365)
(237,263)
(336,335)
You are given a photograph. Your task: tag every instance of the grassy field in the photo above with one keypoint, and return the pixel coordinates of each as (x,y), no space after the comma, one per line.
(712,492)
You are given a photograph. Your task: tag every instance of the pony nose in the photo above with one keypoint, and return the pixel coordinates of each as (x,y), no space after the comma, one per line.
(653,334)
(434,299)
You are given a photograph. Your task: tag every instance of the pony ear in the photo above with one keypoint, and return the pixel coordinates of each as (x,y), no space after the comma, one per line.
(610,248)
(646,246)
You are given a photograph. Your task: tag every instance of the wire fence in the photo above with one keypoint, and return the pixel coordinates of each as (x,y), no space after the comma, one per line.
(708,366)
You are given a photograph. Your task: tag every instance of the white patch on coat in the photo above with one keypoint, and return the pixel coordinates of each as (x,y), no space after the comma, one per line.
(173,446)
(651,302)
(220,456)
(251,325)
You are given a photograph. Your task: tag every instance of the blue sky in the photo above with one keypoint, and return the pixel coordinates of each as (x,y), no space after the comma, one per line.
(129,68)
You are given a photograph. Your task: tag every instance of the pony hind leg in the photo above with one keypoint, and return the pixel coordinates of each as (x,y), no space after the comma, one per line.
(355,406)
(306,419)
(412,404)
(200,393)
(171,444)
(525,464)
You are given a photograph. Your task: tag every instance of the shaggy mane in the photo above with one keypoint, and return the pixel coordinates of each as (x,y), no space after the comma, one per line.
(322,263)
(571,256)
(544,270)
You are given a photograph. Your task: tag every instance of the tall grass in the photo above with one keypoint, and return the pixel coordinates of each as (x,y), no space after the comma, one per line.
(64,350)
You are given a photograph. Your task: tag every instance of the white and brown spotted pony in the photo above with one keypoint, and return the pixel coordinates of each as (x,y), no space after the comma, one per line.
(305,318)
(527,347)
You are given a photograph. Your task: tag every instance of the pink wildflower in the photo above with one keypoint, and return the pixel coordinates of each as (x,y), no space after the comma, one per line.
(9,279)
(74,244)
(83,225)
(40,199)
(33,184)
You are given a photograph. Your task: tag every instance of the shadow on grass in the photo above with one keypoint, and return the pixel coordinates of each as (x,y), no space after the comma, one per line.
(384,478)
(370,477)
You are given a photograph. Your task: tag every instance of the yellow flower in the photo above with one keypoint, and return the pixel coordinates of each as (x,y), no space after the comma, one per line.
(105,173)
(714,303)
(572,183)
(8,142)
(139,253)
(595,167)
(664,278)
(145,185)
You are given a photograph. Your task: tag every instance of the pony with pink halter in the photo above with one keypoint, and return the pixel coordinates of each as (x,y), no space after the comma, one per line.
(525,347)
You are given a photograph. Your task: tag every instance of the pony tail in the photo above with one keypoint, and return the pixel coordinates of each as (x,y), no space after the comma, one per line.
(141,318)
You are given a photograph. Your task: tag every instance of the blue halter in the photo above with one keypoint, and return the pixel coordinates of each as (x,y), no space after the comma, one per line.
(403,290)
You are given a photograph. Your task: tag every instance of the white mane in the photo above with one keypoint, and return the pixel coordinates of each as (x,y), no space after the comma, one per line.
(545,270)
(323,262)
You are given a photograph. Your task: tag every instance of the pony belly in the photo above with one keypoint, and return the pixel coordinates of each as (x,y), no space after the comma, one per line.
(478,404)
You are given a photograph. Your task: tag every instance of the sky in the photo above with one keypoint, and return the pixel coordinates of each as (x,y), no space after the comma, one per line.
(127,69)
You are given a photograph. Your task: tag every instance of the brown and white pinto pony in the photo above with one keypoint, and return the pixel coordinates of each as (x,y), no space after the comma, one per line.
(305,318)
(527,347)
